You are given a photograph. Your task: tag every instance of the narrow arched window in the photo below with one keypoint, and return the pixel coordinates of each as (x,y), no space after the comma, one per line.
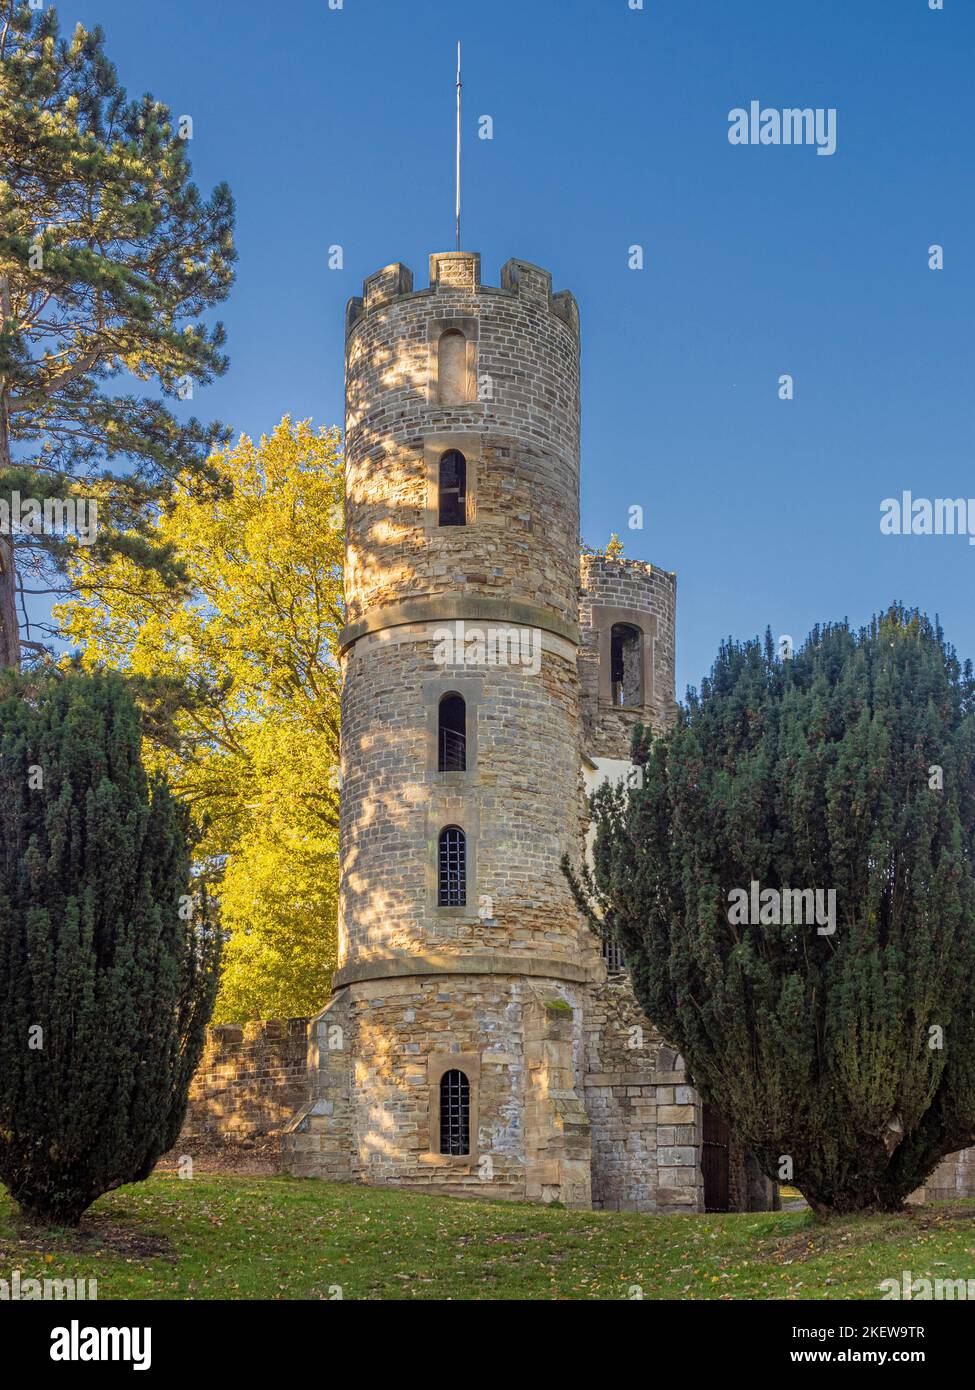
(455,1113)
(453,489)
(626,665)
(452,368)
(452,868)
(452,735)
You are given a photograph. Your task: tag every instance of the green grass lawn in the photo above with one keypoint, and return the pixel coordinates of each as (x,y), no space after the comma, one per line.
(280,1238)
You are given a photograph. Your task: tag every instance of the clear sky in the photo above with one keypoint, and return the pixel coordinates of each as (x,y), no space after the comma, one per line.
(611,129)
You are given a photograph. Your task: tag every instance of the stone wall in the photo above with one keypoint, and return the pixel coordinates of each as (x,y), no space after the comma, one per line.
(558,1151)
(251,1079)
(954,1177)
(318,1141)
(510,802)
(645,1117)
(378,1052)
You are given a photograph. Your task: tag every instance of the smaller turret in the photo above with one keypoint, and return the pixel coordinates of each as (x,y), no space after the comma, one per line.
(627,613)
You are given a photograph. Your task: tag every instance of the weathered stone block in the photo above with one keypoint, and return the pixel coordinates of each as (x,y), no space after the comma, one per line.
(675,1115)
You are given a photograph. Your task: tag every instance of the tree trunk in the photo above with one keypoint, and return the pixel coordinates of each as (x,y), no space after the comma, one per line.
(9,629)
(9,626)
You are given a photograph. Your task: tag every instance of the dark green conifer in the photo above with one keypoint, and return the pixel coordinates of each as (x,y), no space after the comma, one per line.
(847,767)
(107,965)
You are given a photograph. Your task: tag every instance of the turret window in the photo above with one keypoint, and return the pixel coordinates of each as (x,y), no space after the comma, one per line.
(626,665)
(452,868)
(613,956)
(625,642)
(455,1114)
(453,489)
(452,734)
(452,368)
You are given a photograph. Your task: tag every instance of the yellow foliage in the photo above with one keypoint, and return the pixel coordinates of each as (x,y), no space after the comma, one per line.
(242,662)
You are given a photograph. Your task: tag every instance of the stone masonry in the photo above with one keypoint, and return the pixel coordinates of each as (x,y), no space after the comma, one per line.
(250,1080)
(571,1095)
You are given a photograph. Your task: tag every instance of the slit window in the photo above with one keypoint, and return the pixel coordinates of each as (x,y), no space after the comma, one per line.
(453,489)
(626,665)
(452,868)
(452,368)
(455,1114)
(613,956)
(452,735)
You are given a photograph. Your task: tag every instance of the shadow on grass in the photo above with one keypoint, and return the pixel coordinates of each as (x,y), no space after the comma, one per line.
(97,1234)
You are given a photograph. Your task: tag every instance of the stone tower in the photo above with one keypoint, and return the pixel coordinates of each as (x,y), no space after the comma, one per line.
(480,1037)
(452,1054)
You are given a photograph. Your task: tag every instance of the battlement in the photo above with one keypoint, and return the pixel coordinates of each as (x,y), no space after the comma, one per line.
(460,271)
(598,565)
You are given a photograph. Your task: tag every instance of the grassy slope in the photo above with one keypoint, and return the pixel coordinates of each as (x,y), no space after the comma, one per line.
(232,1237)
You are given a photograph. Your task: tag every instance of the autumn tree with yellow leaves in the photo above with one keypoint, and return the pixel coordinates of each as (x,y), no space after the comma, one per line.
(239,681)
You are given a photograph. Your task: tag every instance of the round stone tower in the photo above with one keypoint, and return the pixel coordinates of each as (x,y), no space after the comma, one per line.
(463,962)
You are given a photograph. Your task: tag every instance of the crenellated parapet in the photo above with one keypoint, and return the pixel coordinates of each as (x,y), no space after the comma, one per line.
(493,373)
(460,271)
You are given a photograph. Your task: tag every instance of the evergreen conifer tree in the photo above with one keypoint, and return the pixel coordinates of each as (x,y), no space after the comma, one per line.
(109,259)
(844,1058)
(107,965)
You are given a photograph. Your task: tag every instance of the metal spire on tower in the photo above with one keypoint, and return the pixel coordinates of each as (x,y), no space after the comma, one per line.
(458,144)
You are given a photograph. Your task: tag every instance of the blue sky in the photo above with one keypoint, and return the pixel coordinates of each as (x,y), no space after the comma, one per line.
(611,129)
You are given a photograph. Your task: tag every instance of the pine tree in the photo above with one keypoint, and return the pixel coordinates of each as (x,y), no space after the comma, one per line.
(844,1058)
(108,258)
(107,966)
